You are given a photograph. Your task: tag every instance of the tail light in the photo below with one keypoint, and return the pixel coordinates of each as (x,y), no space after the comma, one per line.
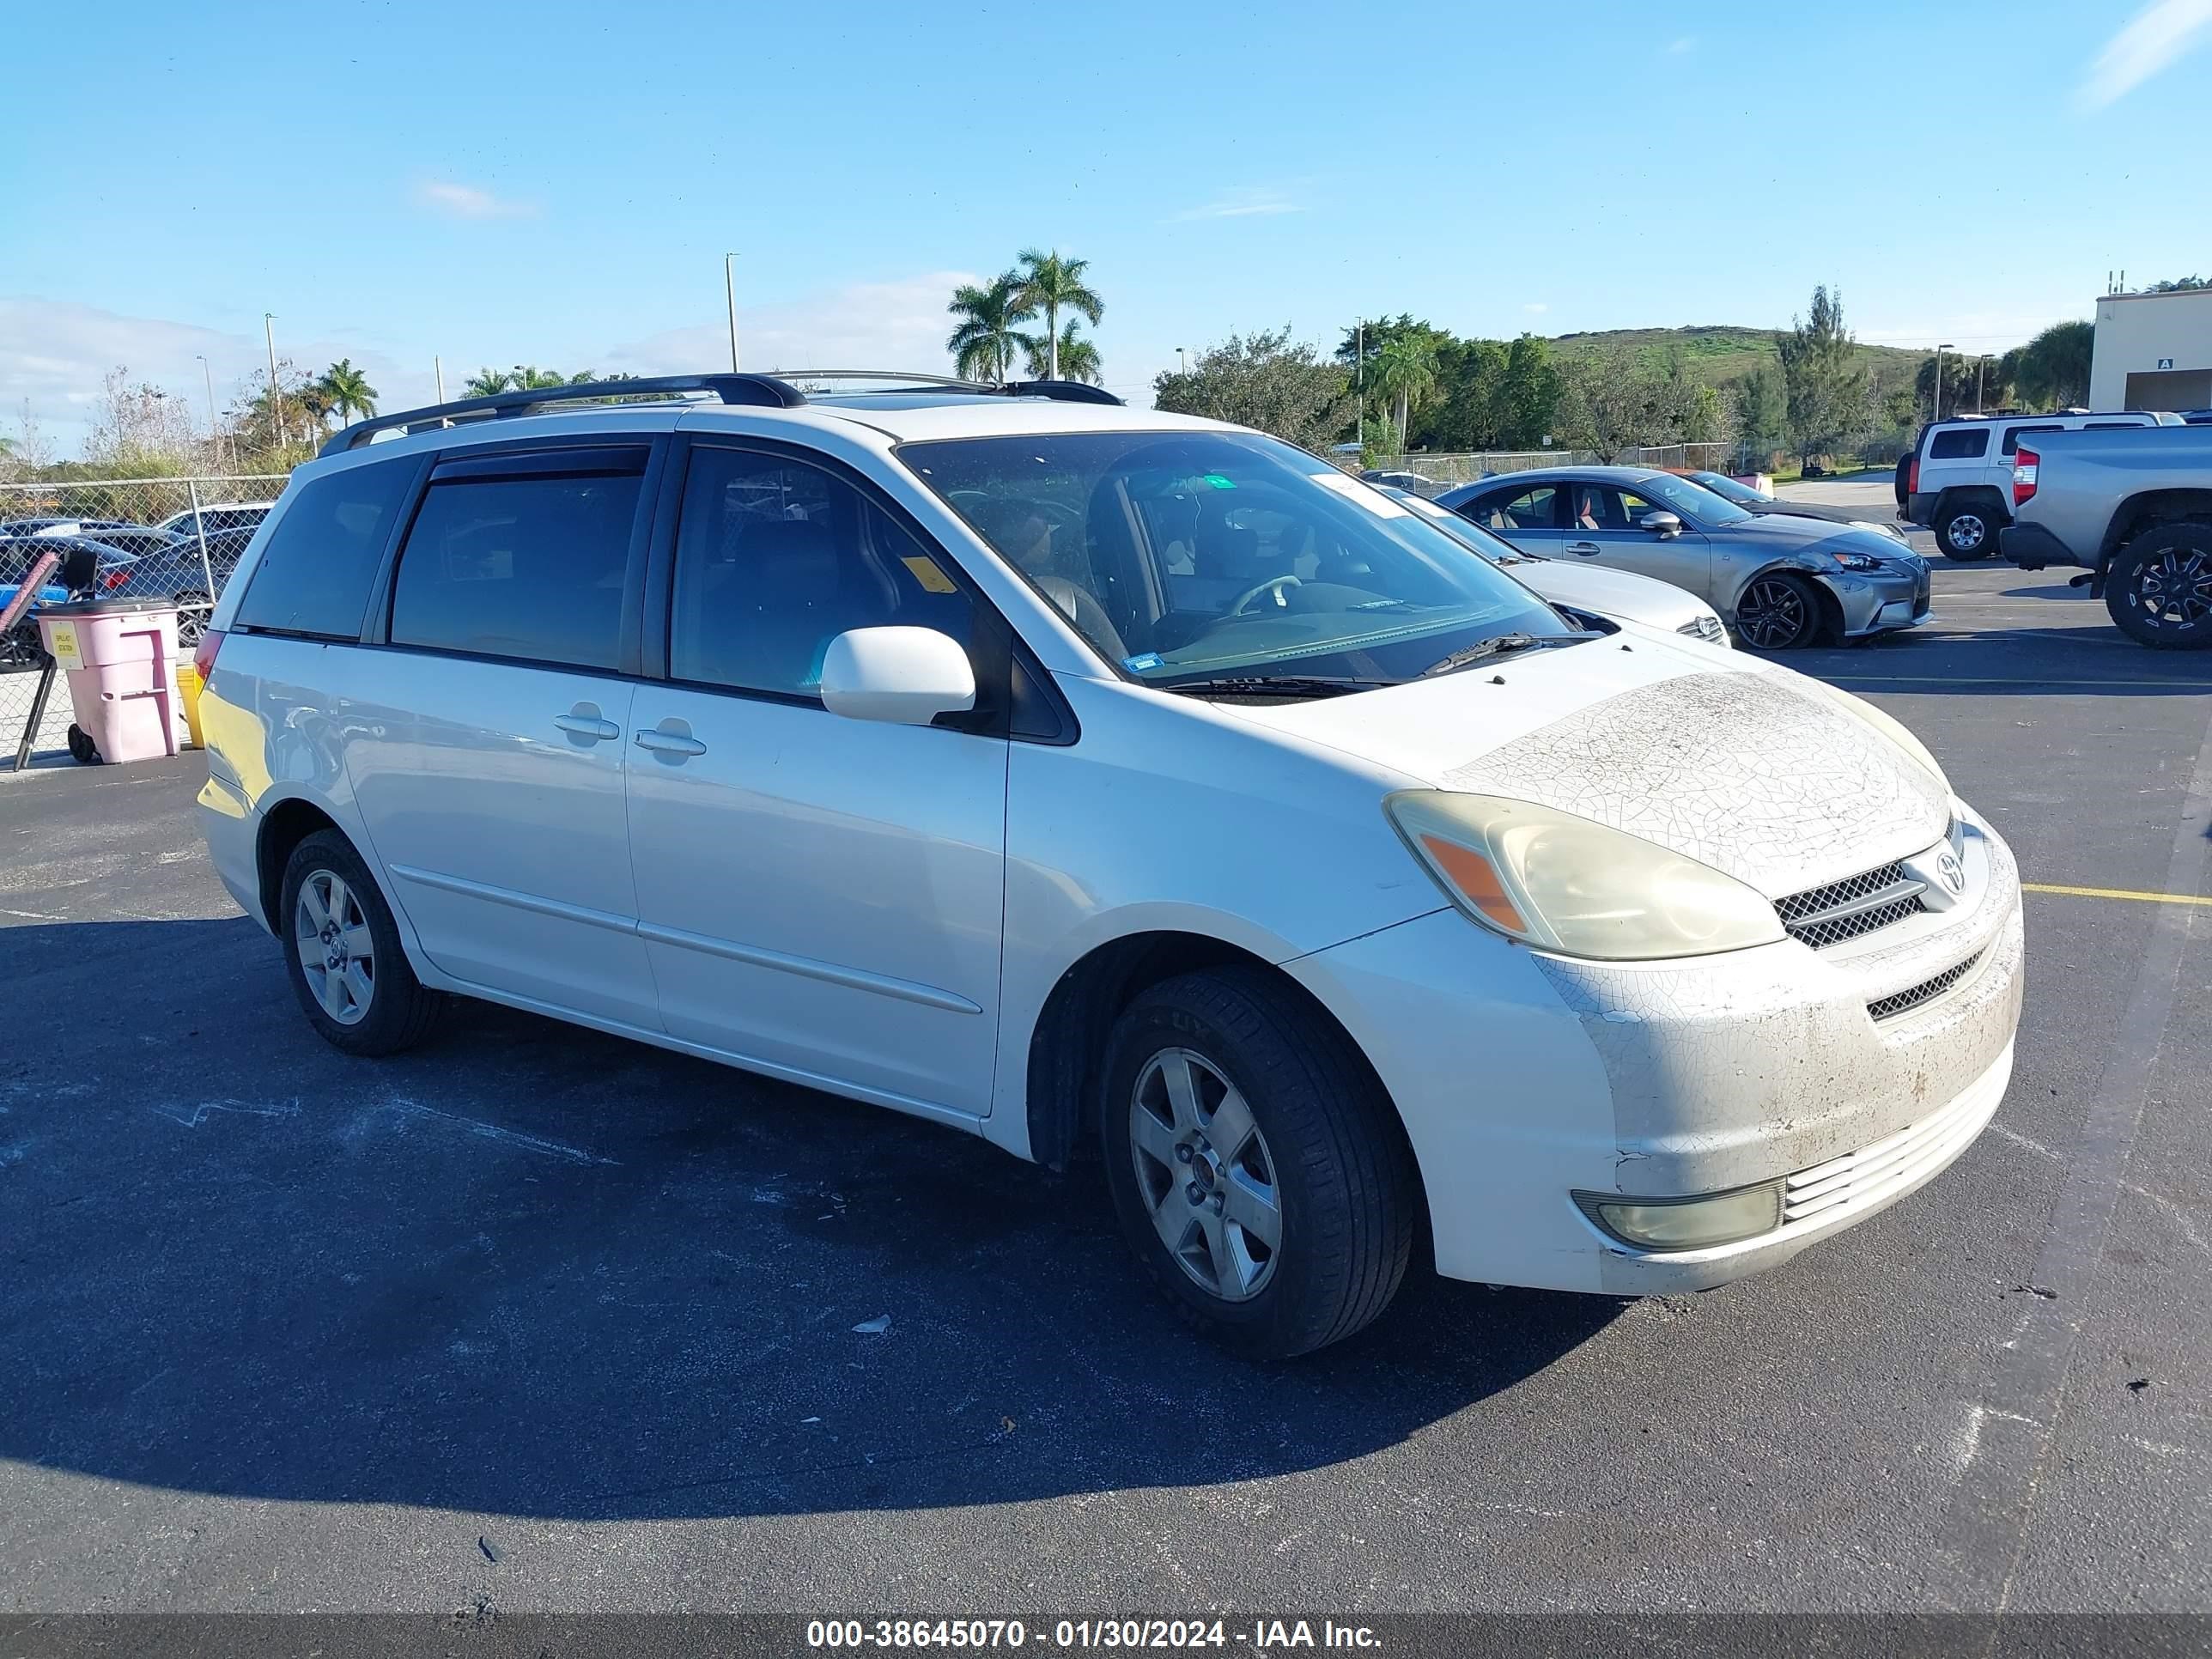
(203,655)
(112,579)
(1912,477)
(2024,467)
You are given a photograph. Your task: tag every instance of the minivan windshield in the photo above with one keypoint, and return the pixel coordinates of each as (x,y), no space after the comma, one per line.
(1229,560)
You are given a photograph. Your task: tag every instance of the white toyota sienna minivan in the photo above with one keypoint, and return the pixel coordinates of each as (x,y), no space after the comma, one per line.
(1082,776)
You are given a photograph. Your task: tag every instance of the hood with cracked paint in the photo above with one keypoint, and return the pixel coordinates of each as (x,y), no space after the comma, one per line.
(1717,756)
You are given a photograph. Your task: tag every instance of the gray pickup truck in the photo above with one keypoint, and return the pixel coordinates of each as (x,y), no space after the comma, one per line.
(2134,508)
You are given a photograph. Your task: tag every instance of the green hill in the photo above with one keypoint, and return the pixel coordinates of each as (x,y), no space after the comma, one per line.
(1721,354)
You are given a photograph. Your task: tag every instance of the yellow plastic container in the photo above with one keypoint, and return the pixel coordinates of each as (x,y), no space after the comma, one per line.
(189,684)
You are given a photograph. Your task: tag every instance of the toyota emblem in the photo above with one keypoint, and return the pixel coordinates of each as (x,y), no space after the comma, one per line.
(1952,872)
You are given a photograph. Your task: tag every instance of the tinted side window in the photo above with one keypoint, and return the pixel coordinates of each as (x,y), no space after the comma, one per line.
(320,560)
(1517,509)
(2014,434)
(775,559)
(1960,444)
(530,568)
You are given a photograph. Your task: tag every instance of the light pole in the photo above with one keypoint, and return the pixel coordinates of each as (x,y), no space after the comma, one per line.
(438,371)
(730,293)
(1981,365)
(214,431)
(268,334)
(1940,350)
(1359,380)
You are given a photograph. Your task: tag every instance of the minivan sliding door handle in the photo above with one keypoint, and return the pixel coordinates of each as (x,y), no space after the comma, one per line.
(585,721)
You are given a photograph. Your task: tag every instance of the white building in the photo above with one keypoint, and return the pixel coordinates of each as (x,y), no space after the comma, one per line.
(2153,351)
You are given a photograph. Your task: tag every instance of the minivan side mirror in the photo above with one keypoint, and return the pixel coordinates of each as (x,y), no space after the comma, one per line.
(1661,524)
(899,676)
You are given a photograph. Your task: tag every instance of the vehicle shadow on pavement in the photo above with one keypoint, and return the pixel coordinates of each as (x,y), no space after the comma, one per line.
(531,1270)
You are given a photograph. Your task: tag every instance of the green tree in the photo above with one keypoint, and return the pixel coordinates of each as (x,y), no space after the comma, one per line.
(1528,395)
(1469,411)
(985,340)
(1052,285)
(1827,395)
(2179,284)
(1263,380)
(1078,359)
(2054,366)
(487,383)
(1403,372)
(1606,403)
(347,391)
(1760,415)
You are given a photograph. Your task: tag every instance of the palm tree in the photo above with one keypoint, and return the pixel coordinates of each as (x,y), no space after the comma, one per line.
(1052,284)
(983,345)
(347,390)
(1404,369)
(1079,358)
(531,377)
(487,383)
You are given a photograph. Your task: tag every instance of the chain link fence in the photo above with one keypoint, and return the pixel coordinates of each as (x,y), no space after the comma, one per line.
(157,538)
(1442,471)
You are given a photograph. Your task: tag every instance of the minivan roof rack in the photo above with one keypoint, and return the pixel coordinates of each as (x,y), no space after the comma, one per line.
(760,391)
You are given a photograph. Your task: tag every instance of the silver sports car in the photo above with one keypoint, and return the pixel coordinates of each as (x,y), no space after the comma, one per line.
(1781,581)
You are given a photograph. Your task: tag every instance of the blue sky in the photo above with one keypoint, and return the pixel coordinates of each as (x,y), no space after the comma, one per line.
(556,182)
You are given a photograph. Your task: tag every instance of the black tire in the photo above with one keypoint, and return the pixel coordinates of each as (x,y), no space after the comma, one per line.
(2158,589)
(399,1011)
(1967,531)
(1778,611)
(82,748)
(193,610)
(1904,476)
(1347,1194)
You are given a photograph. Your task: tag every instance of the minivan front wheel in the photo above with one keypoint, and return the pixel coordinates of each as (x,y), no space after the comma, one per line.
(1256,1168)
(343,953)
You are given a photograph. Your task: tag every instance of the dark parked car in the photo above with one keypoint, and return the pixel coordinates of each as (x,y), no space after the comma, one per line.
(1758,501)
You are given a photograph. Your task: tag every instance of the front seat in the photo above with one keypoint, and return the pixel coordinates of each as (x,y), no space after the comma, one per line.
(1089,617)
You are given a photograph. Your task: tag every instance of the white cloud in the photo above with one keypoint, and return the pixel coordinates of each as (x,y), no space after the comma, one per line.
(1682,44)
(1535,308)
(460,201)
(1238,205)
(2152,40)
(895,324)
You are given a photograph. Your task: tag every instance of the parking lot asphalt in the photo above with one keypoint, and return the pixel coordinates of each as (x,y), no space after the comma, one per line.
(535,1319)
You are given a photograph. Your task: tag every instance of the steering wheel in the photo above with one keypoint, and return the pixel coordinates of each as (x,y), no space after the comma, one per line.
(1274,584)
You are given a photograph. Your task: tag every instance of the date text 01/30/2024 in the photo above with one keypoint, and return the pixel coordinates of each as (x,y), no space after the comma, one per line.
(1089,1635)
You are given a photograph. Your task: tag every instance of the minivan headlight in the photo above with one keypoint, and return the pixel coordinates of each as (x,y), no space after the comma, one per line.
(1564,884)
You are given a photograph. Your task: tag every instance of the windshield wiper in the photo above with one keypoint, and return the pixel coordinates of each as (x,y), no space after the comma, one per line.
(1276,685)
(1503,644)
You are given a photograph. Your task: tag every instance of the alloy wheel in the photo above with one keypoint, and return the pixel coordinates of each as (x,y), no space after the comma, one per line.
(1967,532)
(337,953)
(1204,1173)
(1771,615)
(2174,589)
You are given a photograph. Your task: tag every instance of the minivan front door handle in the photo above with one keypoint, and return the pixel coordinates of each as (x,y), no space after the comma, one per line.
(671,738)
(585,721)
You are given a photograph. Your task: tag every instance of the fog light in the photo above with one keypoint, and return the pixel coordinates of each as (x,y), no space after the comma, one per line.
(1687,1224)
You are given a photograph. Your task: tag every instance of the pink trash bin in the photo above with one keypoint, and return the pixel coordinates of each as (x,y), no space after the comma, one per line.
(123,690)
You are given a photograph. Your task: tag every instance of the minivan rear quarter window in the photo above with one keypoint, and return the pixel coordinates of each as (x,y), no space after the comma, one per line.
(1960,444)
(321,558)
(529,568)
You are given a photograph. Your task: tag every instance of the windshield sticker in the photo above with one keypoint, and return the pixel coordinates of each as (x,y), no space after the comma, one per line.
(1352,490)
(1219,482)
(926,572)
(1144,660)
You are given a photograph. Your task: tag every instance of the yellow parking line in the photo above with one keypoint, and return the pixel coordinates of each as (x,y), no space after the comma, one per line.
(2114,893)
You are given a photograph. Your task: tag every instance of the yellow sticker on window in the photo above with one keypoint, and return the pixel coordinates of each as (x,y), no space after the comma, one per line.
(60,638)
(926,573)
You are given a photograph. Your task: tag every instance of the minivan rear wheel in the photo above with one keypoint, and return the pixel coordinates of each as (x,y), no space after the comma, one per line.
(342,951)
(1257,1169)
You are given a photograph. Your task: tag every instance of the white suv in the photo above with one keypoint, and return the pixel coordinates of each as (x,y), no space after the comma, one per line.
(1958,480)
(1081,777)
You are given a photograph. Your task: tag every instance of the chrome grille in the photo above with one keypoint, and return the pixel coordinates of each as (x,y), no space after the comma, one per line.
(1926,992)
(1822,916)
(1707,627)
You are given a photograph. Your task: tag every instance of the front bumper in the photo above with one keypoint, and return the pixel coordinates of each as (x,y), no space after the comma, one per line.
(1883,601)
(2033,547)
(1522,1078)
